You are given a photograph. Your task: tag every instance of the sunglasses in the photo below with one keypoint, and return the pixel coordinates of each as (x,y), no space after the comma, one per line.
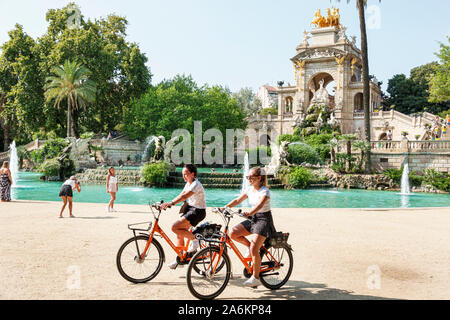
(252,177)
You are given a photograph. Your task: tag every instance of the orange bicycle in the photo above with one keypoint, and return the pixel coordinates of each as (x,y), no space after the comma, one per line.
(213,265)
(141,257)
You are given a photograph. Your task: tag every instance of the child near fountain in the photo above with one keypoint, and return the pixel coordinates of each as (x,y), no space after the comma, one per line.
(5,182)
(66,194)
(111,187)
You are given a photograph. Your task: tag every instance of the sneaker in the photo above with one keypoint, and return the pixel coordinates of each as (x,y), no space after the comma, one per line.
(193,246)
(174,265)
(252,282)
(108,209)
(113,210)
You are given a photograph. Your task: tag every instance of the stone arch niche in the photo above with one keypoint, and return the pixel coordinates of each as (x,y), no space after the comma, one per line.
(288,104)
(327,81)
(358,102)
(264,140)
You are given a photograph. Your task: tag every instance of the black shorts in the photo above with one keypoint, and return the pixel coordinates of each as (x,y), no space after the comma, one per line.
(66,191)
(260,223)
(194,215)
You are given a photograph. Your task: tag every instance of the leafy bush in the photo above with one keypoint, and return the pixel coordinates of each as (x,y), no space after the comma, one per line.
(415,180)
(300,177)
(394,174)
(266,111)
(320,143)
(300,153)
(437,179)
(50,150)
(155,174)
(341,162)
(442,183)
(257,151)
(289,138)
(50,167)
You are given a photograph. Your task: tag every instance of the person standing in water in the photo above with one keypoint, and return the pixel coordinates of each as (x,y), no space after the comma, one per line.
(112,187)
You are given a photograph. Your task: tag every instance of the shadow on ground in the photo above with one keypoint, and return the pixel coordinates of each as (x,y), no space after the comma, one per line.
(300,290)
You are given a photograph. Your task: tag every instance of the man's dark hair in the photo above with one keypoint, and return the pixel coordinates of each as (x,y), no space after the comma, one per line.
(192,169)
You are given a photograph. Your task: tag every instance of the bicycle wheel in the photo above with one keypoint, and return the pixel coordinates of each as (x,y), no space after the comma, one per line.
(222,262)
(137,270)
(211,278)
(279,263)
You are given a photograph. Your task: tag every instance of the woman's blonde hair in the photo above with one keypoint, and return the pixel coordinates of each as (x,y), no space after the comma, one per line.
(261,172)
(5,164)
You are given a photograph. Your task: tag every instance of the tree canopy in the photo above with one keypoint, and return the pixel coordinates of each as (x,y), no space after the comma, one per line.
(411,94)
(177,103)
(117,66)
(440,82)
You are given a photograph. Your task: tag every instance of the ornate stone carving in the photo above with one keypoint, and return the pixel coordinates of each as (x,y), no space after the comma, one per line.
(321,95)
(332,19)
(320,53)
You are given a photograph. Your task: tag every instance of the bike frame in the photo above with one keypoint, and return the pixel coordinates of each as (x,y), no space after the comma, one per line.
(226,240)
(180,251)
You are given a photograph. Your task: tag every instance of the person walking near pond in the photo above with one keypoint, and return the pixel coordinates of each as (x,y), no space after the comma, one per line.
(66,194)
(112,187)
(5,182)
(259,224)
(193,211)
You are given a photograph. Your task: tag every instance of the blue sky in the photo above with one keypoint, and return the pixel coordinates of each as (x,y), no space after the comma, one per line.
(248,43)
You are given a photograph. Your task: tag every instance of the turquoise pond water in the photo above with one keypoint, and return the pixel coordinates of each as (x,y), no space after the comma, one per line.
(30,188)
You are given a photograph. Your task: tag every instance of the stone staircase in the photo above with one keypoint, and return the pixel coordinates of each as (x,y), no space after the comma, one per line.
(174,180)
(98,176)
(218,180)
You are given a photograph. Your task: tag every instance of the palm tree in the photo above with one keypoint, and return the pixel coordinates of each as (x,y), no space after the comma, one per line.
(70,81)
(349,138)
(361,5)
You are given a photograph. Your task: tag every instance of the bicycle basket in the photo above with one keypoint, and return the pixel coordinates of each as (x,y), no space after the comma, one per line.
(207,229)
(278,239)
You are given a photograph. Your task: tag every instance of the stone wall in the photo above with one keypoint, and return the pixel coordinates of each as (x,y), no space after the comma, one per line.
(417,161)
(115,150)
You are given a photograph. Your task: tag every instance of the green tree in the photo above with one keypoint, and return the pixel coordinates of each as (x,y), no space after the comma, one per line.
(177,103)
(440,82)
(21,94)
(247,101)
(70,82)
(411,95)
(118,67)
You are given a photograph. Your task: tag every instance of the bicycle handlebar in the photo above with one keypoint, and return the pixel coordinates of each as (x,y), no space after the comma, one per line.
(227,211)
(157,205)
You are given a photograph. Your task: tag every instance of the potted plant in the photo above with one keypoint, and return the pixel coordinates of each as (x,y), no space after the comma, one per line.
(404,133)
(417,136)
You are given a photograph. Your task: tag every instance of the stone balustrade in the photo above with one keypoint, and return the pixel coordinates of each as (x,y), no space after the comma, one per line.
(410,146)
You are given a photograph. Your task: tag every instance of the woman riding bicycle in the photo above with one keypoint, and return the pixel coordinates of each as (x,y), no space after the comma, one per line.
(194,212)
(259,224)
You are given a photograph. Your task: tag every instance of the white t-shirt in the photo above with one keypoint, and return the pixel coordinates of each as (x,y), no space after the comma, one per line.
(255,196)
(198,199)
(70,182)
